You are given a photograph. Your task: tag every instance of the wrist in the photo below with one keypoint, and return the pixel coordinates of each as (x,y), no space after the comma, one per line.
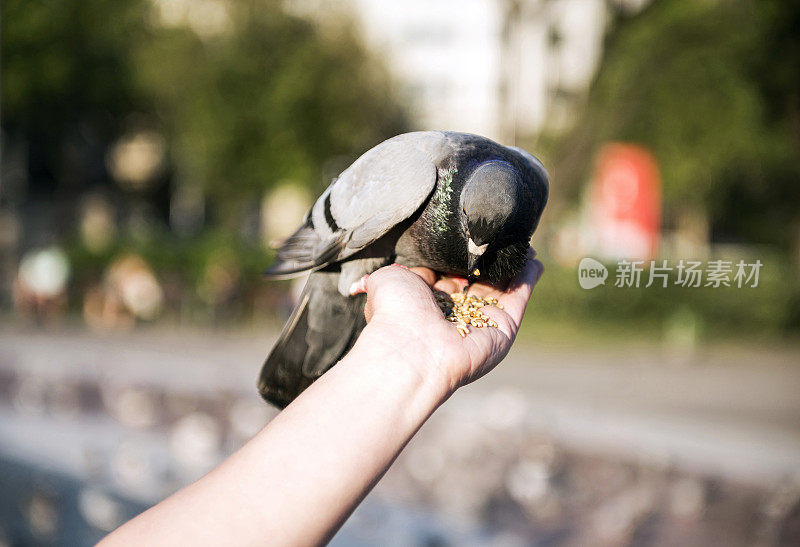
(401,359)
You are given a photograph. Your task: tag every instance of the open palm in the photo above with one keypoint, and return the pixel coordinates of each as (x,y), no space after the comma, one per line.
(403,318)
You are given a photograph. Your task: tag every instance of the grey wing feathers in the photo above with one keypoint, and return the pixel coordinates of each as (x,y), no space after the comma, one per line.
(380,189)
(385,186)
(296,254)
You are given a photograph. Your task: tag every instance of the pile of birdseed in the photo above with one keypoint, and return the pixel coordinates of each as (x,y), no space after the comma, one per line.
(465,309)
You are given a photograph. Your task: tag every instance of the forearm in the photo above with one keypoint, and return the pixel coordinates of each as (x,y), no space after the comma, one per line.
(297,480)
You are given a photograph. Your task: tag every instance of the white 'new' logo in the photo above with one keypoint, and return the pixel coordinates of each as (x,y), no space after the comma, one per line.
(591,273)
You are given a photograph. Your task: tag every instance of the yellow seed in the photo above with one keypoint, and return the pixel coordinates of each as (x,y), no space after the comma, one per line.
(464,310)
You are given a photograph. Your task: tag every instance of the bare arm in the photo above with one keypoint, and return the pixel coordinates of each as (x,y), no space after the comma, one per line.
(300,477)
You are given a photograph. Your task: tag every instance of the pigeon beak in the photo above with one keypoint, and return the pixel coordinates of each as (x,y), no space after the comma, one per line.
(475,252)
(472,261)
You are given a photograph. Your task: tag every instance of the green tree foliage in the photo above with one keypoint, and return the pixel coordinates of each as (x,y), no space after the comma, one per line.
(270,99)
(267,97)
(66,71)
(711,87)
(62,60)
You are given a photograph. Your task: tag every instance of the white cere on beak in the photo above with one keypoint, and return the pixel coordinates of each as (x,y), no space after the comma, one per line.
(476,250)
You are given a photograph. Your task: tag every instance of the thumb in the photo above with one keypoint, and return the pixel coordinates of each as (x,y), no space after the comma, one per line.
(396,292)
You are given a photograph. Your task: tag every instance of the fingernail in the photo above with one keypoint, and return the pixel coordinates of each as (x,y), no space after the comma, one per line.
(360,286)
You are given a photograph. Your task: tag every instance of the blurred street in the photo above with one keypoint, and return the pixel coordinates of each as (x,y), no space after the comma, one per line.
(564,435)
(734,412)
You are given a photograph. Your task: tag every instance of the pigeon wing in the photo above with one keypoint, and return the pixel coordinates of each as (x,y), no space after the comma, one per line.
(380,189)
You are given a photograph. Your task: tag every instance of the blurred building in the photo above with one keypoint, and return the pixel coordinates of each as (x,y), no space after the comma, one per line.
(500,68)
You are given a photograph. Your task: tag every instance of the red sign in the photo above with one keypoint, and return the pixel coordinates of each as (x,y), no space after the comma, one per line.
(626,203)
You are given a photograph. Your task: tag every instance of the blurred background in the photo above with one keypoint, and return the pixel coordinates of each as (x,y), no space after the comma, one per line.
(154,150)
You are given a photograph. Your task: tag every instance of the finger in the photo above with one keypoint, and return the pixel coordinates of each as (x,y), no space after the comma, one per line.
(427,275)
(443,283)
(448,285)
(394,290)
(483,290)
(398,277)
(515,299)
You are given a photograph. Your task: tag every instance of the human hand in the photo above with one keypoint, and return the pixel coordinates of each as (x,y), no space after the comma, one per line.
(404,320)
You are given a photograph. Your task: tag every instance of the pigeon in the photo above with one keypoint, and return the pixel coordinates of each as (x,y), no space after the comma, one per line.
(459,204)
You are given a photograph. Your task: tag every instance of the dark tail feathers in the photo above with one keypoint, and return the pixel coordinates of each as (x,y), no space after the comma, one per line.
(321,330)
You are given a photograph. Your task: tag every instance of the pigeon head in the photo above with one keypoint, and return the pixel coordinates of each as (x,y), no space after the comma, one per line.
(487,203)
